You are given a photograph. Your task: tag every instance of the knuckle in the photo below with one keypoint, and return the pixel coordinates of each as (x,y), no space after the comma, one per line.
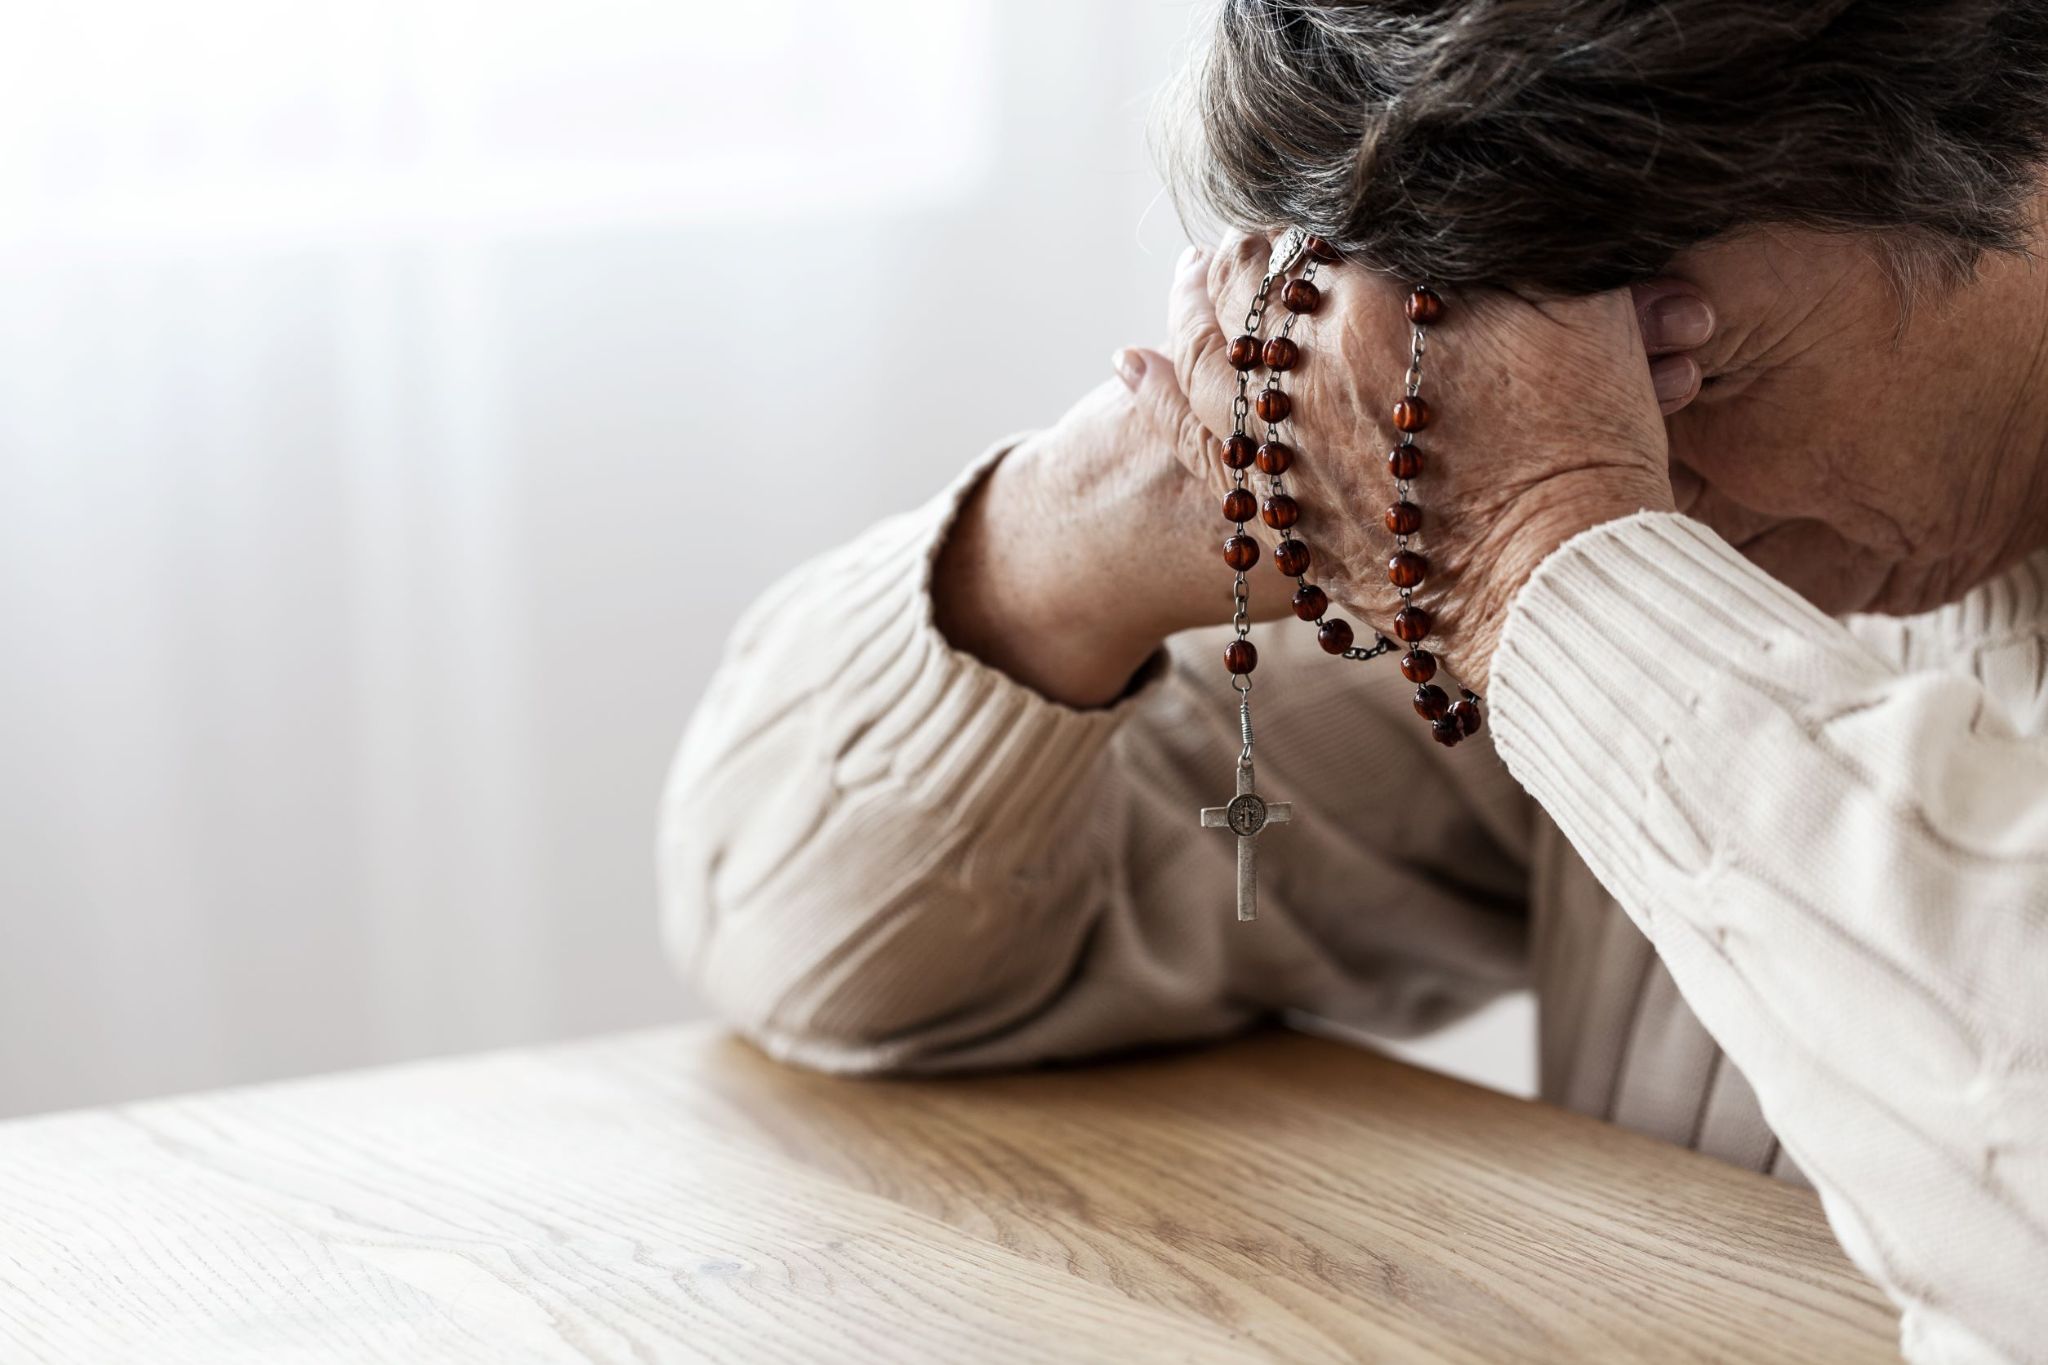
(1242,256)
(1221,266)
(1163,408)
(1197,349)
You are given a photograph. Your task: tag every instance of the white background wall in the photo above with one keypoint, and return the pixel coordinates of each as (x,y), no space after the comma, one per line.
(400,399)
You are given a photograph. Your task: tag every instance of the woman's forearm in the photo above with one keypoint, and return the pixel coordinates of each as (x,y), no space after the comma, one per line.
(845,818)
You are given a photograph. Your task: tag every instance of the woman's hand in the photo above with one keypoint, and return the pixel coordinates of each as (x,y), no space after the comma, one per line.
(1547,421)
(1088,545)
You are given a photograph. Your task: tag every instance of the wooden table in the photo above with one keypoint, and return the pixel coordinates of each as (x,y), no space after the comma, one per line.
(675,1196)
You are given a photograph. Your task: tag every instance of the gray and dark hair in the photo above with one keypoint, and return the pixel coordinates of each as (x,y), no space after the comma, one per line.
(1575,145)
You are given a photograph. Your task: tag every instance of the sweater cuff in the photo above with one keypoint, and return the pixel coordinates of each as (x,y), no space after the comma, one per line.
(958,733)
(1626,658)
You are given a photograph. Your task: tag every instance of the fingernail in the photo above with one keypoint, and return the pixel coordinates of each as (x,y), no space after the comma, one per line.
(1129,366)
(1672,377)
(1188,259)
(1678,320)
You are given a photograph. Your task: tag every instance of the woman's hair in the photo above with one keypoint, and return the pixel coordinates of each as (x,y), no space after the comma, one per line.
(1575,145)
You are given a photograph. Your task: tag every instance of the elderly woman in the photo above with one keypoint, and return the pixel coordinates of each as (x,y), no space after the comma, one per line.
(1737,517)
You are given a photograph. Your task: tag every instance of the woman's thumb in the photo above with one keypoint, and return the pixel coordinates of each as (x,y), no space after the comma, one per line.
(1130,364)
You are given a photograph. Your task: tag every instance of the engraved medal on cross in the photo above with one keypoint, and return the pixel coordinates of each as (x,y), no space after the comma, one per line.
(1246,815)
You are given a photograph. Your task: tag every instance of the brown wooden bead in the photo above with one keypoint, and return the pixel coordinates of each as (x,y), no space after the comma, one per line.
(1425,306)
(1273,405)
(1431,701)
(1291,558)
(1418,665)
(1301,297)
(1238,452)
(1467,716)
(1334,635)
(1240,656)
(1239,505)
(1411,414)
(1310,602)
(1411,624)
(1404,518)
(1280,511)
(1240,552)
(1281,353)
(1321,251)
(1405,568)
(1275,457)
(1243,352)
(1446,731)
(1403,462)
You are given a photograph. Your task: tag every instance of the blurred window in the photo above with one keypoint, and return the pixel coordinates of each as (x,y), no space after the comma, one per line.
(131,121)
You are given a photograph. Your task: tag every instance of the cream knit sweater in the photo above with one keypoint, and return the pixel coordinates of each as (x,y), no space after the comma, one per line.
(1779,881)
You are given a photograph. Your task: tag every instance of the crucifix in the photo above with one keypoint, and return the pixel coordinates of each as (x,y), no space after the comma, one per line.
(1245,816)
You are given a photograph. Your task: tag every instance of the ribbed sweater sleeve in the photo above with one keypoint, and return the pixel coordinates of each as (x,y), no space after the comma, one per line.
(1845,867)
(878,853)
(849,791)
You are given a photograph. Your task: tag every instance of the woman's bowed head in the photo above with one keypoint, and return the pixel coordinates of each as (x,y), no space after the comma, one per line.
(1828,265)
(1770,264)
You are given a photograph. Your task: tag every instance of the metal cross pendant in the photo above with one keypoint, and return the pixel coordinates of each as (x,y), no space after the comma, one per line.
(1245,816)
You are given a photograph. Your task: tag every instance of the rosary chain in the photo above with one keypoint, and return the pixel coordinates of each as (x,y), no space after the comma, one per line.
(1240,586)
(1273,406)
(1276,484)
(1248,813)
(1424,307)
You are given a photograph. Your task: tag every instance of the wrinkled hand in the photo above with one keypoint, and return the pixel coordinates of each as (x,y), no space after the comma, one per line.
(1088,544)
(1546,422)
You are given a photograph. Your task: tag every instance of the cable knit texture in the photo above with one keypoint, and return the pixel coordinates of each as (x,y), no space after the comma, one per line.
(1779,881)
(1843,864)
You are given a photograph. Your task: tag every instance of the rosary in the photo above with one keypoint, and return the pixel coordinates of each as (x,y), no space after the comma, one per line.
(1248,812)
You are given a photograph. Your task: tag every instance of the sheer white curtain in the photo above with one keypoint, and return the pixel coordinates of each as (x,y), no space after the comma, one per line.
(398,401)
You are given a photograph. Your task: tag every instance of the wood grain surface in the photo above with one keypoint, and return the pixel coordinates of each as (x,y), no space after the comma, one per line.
(674,1196)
